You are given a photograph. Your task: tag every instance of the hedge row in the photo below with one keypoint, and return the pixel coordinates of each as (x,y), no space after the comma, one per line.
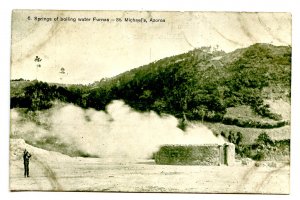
(253,124)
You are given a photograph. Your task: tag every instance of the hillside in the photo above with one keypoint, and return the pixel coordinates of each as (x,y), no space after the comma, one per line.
(200,84)
(248,88)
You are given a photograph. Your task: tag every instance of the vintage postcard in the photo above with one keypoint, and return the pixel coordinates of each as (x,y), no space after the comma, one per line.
(144,101)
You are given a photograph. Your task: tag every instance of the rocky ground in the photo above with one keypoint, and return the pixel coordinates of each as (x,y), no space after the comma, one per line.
(52,171)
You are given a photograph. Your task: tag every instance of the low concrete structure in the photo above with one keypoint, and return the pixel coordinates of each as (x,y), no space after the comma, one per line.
(207,154)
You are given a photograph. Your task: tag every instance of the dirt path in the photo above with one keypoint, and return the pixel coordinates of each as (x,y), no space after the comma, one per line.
(50,174)
(52,171)
(42,177)
(92,174)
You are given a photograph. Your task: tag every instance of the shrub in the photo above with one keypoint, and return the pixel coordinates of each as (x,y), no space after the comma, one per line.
(265,148)
(264,139)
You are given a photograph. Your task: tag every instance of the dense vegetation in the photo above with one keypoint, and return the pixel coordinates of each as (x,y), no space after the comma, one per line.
(197,85)
(201,85)
(264,148)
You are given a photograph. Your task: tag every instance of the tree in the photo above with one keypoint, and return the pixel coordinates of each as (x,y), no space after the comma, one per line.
(40,96)
(264,139)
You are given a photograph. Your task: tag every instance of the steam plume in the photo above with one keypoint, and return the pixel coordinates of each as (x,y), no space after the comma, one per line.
(118,132)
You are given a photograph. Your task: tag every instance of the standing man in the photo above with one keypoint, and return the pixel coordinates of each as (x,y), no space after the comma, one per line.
(26,156)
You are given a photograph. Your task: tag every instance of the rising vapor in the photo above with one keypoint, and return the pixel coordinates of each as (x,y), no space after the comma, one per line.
(118,132)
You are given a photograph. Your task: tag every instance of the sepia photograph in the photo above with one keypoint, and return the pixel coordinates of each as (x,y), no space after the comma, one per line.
(150,101)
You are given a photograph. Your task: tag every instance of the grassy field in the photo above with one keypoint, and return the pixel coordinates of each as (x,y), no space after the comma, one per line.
(244,113)
(250,134)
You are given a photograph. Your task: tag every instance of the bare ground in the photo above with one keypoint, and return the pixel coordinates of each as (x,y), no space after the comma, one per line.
(52,171)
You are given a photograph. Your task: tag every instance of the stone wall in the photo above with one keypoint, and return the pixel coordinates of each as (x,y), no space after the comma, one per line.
(210,154)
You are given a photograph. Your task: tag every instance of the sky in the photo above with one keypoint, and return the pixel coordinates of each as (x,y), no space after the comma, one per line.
(91,50)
